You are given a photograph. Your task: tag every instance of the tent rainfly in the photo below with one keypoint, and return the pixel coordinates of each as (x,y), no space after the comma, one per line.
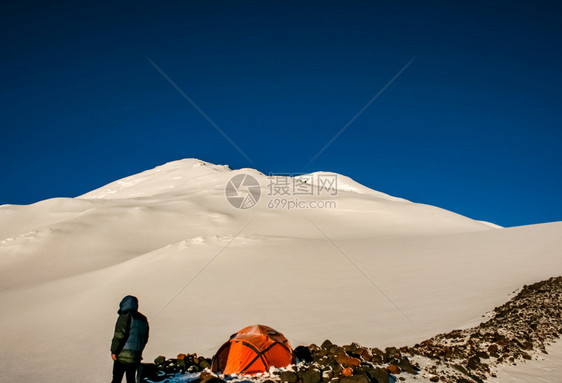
(253,350)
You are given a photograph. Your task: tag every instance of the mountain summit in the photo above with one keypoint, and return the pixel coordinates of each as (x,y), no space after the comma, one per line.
(195,180)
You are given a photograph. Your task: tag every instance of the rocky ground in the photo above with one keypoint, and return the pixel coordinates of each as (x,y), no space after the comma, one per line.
(516,331)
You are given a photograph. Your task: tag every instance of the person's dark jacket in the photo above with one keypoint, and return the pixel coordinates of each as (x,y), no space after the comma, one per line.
(131,332)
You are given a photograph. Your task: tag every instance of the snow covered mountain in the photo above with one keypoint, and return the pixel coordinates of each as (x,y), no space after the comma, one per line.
(314,256)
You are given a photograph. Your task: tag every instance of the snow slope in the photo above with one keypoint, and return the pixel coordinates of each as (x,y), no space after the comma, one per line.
(374,269)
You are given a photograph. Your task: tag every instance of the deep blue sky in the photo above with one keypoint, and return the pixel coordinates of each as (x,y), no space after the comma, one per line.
(474,125)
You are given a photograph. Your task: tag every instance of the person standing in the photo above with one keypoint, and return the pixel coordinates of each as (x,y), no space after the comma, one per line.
(129,339)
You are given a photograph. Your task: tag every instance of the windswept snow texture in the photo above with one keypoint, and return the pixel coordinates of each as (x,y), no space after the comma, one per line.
(374,269)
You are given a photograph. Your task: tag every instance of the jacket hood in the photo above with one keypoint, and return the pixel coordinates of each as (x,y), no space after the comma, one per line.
(128,304)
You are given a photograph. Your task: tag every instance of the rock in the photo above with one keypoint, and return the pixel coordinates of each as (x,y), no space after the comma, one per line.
(377,359)
(347,371)
(204,363)
(406,366)
(361,377)
(327,375)
(336,367)
(379,375)
(326,344)
(493,350)
(355,379)
(391,352)
(323,362)
(182,365)
(476,378)
(351,347)
(433,378)
(366,355)
(193,368)
(289,377)
(207,377)
(160,360)
(473,362)
(352,362)
(341,358)
(345,360)
(482,355)
(303,354)
(311,376)
(393,369)
(405,350)
(334,349)
(360,350)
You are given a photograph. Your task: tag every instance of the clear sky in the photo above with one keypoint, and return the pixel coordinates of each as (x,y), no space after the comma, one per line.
(473,125)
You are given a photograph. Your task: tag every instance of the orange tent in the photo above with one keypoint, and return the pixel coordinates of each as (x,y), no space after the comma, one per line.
(253,350)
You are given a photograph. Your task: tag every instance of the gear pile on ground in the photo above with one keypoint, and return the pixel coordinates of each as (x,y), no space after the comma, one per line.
(162,370)
(518,330)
